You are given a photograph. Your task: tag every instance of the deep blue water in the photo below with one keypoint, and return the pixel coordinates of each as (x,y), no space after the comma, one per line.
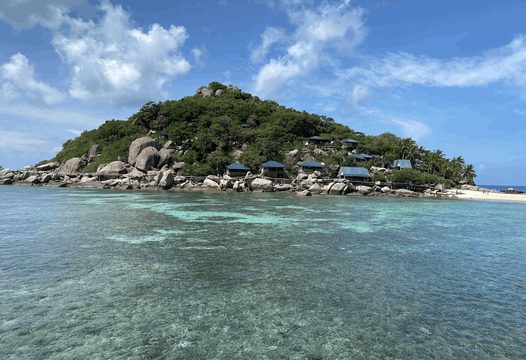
(504,187)
(115,275)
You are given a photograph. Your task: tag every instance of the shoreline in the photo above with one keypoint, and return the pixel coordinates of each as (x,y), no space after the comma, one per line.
(302,185)
(451,194)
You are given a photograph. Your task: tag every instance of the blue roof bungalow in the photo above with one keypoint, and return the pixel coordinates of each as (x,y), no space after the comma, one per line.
(356,174)
(361,156)
(401,164)
(309,166)
(273,169)
(350,143)
(236,170)
(317,140)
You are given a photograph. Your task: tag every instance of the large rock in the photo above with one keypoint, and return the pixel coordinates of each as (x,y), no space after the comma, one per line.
(48,166)
(261,184)
(283,187)
(385,189)
(337,188)
(33,179)
(167,180)
(136,174)
(165,156)
(6,181)
(315,188)
(169,144)
(138,145)
(112,170)
(405,192)
(304,193)
(94,150)
(147,159)
(178,166)
(4,172)
(209,183)
(225,183)
(364,190)
(46,178)
(72,166)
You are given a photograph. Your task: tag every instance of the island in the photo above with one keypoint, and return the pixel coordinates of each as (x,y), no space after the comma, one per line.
(224,139)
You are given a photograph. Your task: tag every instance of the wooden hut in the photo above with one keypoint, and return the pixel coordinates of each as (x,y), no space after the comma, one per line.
(310,166)
(356,174)
(318,141)
(350,143)
(273,169)
(236,170)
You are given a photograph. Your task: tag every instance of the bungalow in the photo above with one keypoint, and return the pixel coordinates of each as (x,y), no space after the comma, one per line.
(316,140)
(361,156)
(357,174)
(401,164)
(236,170)
(309,166)
(273,169)
(350,143)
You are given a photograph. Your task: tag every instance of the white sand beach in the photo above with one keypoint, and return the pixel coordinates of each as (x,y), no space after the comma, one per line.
(486,195)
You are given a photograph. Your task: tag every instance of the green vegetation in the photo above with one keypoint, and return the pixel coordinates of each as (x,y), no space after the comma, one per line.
(209,131)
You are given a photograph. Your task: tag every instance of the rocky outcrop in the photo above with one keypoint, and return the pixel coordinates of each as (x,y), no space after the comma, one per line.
(72,166)
(304,193)
(147,159)
(405,192)
(33,179)
(94,151)
(364,190)
(48,166)
(167,180)
(138,145)
(211,184)
(315,188)
(337,188)
(112,170)
(261,184)
(283,187)
(165,156)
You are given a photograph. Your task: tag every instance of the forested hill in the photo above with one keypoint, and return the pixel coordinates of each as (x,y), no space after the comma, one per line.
(221,124)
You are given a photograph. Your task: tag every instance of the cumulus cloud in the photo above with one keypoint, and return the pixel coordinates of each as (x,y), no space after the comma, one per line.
(18,83)
(318,32)
(28,13)
(506,64)
(112,61)
(199,55)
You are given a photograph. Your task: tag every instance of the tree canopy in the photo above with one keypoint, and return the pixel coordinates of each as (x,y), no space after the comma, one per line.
(208,131)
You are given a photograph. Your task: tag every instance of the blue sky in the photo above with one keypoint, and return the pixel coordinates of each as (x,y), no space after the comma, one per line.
(450,74)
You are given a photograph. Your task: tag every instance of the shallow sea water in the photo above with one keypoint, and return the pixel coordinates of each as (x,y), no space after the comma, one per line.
(118,275)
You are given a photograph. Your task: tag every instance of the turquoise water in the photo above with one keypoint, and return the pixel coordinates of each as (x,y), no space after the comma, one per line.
(115,275)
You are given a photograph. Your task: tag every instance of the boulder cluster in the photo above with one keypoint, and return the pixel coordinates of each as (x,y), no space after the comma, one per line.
(150,166)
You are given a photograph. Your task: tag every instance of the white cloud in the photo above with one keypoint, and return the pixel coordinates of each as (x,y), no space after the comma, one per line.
(112,61)
(506,64)
(412,128)
(319,32)
(18,83)
(28,13)
(269,38)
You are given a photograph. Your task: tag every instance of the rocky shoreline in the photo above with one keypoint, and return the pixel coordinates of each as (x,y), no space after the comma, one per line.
(166,180)
(150,167)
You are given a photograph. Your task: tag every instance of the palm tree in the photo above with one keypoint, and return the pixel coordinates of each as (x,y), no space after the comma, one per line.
(469,174)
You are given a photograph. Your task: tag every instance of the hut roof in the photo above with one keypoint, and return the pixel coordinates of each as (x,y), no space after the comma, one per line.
(237,166)
(361,156)
(271,164)
(354,172)
(311,164)
(350,141)
(318,138)
(402,164)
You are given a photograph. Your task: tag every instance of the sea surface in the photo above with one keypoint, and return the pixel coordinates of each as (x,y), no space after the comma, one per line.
(122,275)
(504,187)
